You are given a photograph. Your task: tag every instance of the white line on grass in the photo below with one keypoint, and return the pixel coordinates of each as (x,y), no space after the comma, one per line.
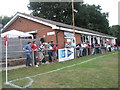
(31,81)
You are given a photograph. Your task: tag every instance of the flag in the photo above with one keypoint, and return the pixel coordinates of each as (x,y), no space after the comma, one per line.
(6,40)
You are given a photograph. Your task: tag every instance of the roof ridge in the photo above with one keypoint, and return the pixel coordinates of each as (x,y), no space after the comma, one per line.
(56,23)
(59,24)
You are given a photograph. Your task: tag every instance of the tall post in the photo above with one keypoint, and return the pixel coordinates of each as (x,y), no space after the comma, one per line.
(73,21)
(73,17)
(6,45)
(6,64)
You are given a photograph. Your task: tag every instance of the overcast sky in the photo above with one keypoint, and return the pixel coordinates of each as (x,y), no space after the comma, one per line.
(10,7)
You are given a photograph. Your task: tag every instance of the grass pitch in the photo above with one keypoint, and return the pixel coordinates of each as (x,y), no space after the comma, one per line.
(98,73)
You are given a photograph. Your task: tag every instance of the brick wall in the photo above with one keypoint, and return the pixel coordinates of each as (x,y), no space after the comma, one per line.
(25,25)
(77,36)
(61,41)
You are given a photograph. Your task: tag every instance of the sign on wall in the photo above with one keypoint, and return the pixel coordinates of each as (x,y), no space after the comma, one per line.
(50,33)
(65,54)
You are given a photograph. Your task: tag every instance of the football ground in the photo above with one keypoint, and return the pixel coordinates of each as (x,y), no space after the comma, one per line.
(96,71)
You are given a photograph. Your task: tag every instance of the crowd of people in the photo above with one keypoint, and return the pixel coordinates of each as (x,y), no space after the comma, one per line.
(84,49)
(39,53)
(51,49)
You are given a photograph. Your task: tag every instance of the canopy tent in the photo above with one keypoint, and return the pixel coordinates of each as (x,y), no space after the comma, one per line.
(16,34)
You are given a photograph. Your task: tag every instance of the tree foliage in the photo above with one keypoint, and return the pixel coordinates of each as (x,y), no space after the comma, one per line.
(4,20)
(88,16)
(115,31)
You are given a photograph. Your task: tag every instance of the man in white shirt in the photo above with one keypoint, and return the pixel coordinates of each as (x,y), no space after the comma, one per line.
(84,49)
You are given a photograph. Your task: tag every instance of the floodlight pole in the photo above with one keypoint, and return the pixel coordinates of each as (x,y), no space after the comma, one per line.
(73,17)
(73,21)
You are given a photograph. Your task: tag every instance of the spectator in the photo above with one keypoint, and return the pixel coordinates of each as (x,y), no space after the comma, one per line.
(84,49)
(68,45)
(34,48)
(52,43)
(49,51)
(73,44)
(54,51)
(42,48)
(78,50)
(105,45)
(88,48)
(81,49)
(97,48)
(109,48)
(93,48)
(40,53)
(57,50)
(27,49)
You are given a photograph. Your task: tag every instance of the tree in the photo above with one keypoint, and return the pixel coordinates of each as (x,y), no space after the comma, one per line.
(88,16)
(115,31)
(4,20)
(0,19)
(60,12)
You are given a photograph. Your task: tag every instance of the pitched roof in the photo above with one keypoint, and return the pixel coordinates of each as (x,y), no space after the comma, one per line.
(54,23)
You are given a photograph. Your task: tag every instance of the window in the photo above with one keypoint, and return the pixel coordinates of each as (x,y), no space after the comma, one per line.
(68,34)
(84,38)
(91,39)
(81,38)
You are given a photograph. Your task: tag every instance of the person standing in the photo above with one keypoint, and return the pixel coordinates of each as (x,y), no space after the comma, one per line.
(34,48)
(54,54)
(109,48)
(88,49)
(84,49)
(43,51)
(49,47)
(40,53)
(52,43)
(93,48)
(105,45)
(28,50)
(81,49)
(73,44)
(78,50)
(68,45)
(97,46)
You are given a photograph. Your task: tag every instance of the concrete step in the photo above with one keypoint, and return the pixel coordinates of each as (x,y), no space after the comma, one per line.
(12,67)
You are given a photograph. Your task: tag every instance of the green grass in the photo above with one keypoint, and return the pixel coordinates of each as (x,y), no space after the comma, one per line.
(98,73)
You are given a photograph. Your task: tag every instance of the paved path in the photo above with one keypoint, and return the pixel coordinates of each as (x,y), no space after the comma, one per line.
(13,67)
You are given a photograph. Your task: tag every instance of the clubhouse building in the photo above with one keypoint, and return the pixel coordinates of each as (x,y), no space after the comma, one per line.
(60,33)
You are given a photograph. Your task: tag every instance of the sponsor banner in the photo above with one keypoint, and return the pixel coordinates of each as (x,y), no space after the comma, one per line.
(65,54)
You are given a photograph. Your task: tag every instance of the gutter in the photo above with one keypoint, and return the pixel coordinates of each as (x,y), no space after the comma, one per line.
(81,32)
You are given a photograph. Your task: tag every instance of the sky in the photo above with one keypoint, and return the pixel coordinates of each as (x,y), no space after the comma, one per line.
(10,7)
